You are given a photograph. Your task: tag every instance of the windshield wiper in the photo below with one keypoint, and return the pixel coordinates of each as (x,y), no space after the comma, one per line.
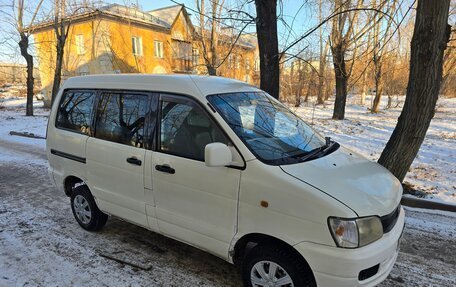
(319,151)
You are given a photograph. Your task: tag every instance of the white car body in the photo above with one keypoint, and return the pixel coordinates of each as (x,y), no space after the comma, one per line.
(214,208)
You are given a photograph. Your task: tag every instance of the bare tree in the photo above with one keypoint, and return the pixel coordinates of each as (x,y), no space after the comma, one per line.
(63,13)
(24,31)
(323,54)
(430,39)
(266,24)
(219,45)
(61,28)
(379,41)
(343,26)
(210,42)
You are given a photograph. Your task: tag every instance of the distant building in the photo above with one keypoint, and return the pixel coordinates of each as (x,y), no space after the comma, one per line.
(118,39)
(15,73)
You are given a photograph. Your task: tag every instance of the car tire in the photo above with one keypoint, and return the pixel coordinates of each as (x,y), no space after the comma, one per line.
(290,269)
(85,210)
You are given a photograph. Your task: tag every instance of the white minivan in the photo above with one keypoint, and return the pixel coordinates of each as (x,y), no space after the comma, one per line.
(221,165)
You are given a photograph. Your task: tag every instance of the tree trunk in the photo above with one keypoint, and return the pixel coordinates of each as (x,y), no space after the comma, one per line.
(214,41)
(58,66)
(429,42)
(23,45)
(390,102)
(298,98)
(341,81)
(364,89)
(321,77)
(321,71)
(211,70)
(266,24)
(309,88)
(378,84)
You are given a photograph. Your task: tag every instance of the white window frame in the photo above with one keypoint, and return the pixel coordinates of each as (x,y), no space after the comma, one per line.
(238,60)
(195,56)
(80,45)
(158,49)
(231,60)
(136,46)
(256,65)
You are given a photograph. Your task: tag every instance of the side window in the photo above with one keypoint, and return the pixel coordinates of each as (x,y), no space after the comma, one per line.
(75,111)
(185,130)
(121,118)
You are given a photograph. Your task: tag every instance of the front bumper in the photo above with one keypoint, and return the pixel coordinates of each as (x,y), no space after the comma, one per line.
(333,266)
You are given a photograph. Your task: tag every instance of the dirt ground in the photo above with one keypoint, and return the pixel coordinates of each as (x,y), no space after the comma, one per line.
(42,245)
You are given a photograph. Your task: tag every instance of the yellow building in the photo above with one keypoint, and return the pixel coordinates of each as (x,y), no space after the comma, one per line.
(117,39)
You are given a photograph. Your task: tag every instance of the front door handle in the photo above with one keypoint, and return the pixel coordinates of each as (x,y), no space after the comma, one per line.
(134,160)
(165,168)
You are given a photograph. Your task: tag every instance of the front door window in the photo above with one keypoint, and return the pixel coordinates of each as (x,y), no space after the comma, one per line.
(186,129)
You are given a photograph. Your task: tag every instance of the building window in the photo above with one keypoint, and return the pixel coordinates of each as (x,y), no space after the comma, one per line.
(195,57)
(247,64)
(136,43)
(80,49)
(158,49)
(256,65)
(230,60)
(238,61)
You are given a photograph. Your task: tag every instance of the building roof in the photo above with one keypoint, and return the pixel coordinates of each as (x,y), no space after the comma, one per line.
(134,13)
(196,86)
(245,40)
(115,11)
(167,14)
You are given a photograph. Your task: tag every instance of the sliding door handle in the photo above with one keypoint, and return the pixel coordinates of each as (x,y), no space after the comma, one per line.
(134,160)
(165,168)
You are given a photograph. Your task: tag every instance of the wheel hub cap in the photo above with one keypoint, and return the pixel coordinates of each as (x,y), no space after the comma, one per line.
(82,209)
(269,274)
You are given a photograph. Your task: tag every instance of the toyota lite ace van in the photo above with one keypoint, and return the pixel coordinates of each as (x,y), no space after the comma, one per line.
(223,166)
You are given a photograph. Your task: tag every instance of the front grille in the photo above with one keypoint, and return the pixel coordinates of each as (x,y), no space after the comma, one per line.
(368,273)
(389,220)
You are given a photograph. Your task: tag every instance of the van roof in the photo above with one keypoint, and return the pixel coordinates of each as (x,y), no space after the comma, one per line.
(193,85)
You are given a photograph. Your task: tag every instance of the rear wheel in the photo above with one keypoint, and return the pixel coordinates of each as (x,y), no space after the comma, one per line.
(267,266)
(85,210)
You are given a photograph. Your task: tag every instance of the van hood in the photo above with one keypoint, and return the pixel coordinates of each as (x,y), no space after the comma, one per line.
(364,186)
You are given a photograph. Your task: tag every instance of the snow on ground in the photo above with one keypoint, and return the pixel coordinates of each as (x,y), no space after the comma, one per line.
(12,118)
(434,169)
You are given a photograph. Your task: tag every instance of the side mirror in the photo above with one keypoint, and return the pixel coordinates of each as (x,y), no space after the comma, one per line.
(217,154)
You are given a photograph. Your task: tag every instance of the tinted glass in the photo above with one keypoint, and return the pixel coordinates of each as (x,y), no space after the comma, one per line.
(75,111)
(185,130)
(121,118)
(269,129)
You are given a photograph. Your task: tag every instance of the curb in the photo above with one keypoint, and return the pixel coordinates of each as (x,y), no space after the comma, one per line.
(427,204)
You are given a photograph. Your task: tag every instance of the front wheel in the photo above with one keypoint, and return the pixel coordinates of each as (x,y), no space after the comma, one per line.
(85,210)
(267,266)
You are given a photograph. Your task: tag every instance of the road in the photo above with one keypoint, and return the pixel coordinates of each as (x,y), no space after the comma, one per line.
(42,245)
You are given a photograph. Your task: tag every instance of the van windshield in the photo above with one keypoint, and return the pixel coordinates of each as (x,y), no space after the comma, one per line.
(270,130)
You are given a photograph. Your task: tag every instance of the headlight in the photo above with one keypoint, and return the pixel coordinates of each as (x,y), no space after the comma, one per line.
(352,233)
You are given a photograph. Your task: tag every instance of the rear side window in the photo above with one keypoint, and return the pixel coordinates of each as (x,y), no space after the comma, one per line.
(121,118)
(75,111)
